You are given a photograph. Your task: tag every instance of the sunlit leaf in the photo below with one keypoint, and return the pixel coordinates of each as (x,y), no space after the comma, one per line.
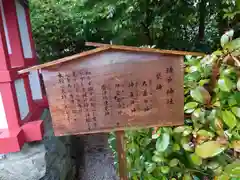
(163,142)
(229,119)
(233,45)
(179,129)
(205,133)
(238,84)
(158,159)
(236,111)
(236,145)
(187,144)
(222,177)
(176,147)
(187,176)
(165,169)
(201,95)
(225,84)
(196,159)
(190,105)
(233,169)
(155,136)
(224,39)
(213,165)
(150,166)
(173,162)
(232,101)
(188,130)
(209,149)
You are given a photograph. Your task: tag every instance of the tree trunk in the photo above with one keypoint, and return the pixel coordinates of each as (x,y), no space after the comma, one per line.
(202,17)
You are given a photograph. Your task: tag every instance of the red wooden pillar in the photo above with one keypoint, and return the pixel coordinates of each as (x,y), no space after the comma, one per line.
(11,136)
(16,57)
(19,111)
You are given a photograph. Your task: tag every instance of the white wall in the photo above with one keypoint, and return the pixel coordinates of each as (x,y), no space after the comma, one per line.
(35,85)
(22,98)
(3,119)
(5,28)
(22,22)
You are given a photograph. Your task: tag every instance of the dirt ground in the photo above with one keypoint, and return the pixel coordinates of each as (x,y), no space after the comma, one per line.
(97,159)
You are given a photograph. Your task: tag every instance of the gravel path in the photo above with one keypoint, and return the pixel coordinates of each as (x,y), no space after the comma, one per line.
(98,159)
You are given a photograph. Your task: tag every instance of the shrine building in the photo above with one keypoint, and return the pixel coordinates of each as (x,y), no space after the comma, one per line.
(21,97)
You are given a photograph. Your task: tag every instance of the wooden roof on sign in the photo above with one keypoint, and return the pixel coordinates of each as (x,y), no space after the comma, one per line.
(108,47)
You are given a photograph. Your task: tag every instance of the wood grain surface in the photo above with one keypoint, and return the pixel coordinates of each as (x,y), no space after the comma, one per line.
(115,90)
(108,47)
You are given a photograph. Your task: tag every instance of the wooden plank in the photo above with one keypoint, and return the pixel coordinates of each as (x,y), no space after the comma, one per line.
(144,49)
(105,47)
(86,98)
(122,162)
(62,60)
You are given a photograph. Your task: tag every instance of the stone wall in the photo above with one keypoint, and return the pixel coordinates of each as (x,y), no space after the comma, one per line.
(55,158)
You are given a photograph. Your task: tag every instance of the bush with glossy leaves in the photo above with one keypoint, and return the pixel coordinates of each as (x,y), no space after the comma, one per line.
(207,146)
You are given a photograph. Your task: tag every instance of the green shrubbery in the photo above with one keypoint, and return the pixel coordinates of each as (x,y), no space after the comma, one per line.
(208,145)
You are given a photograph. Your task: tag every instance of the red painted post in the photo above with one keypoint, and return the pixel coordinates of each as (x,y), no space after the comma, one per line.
(16,131)
(4,63)
(9,99)
(16,58)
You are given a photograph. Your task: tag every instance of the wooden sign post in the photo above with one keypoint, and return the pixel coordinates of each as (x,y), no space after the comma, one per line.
(113,88)
(122,163)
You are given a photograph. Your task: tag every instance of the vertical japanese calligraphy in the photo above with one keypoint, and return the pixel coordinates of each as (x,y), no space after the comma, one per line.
(93,99)
(170,90)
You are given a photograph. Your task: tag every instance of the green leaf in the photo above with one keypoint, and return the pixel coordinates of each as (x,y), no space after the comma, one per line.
(222,177)
(163,142)
(229,119)
(165,169)
(236,111)
(224,40)
(187,144)
(158,159)
(189,111)
(236,145)
(227,37)
(196,159)
(225,84)
(176,147)
(198,114)
(202,82)
(155,136)
(190,105)
(218,170)
(201,95)
(232,102)
(132,148)
(237,97)
(233,169)
(187,176)
(238,84)
(238,4)
(188,130)
(205,133)
(213,165)
(173,162)
(179,129)
(150,166)
(209,149)
(230,33)
(233,45)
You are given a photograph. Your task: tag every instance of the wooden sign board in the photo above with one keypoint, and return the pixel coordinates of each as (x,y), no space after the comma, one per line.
(115,89)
